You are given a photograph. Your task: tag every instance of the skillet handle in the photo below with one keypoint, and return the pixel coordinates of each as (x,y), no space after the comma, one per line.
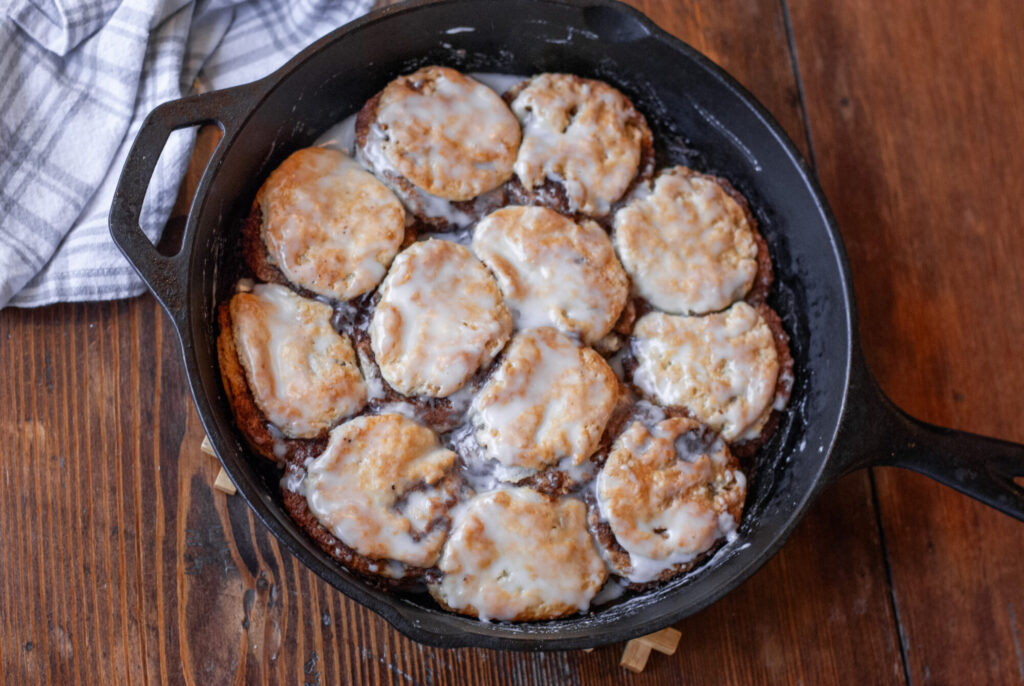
(875,432)
(166,275)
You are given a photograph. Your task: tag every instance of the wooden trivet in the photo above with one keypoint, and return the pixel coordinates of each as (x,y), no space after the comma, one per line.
(223,482)
(634,657)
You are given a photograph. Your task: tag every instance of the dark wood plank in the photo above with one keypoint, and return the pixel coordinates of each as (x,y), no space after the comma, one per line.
(127,567)
(917,127)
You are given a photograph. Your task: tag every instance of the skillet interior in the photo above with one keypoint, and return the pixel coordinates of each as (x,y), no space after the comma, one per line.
(699,117)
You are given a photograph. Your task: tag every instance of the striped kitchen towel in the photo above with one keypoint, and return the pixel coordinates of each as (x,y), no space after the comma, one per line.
(77,77)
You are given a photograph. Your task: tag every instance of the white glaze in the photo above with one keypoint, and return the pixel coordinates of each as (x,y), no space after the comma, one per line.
(580,133)
(340,136)
(513,553)
(721,367)
(302,373)
(613,590)
(405,409)
(362,488)
(499,83)
(280,445)
(686,244)
(648,413)
(461,237)
(445,133)
(783,389)
(479,471)
(371,377)
(553,271)
(328,224)
(293,478)
(439,319)
(547,403)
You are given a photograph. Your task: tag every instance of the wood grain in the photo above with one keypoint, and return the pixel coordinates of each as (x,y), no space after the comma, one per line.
(917,130)
(119,563)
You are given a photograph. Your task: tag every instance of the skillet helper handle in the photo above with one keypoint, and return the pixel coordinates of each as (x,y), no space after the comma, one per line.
(166,275)
(878,433)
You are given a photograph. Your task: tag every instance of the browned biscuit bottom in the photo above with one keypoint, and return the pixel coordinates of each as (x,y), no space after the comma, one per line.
(254,251)
(765,276)
(249,418)
(618,556)
(783,385)
(368,568)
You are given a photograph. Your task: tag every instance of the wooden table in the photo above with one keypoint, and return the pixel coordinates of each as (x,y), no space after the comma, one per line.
(120,564)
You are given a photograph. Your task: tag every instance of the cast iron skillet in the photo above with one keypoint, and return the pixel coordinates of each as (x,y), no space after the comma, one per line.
(838,420)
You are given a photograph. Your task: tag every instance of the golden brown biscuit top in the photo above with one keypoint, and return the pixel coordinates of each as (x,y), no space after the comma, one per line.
(667,497)
(548,401)
(440,318)
(552,270)
(516,554)
(381,486)
(302,373)
(445,132)
(328,224)
(686,244)
(581,133)
(721,367)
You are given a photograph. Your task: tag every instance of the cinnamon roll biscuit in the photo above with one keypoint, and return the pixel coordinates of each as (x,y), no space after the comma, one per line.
(442,141)
(324,224)
(288,373)
(544,409)
(515,554)
(553,271)
(440,318)
(723,368)
(584,144)
(382,488)
(687,244)
(668,493)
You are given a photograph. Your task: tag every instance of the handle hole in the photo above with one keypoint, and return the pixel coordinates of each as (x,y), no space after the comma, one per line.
(188,149)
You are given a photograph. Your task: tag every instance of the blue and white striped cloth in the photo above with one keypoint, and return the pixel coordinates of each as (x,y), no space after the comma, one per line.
(77,77)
